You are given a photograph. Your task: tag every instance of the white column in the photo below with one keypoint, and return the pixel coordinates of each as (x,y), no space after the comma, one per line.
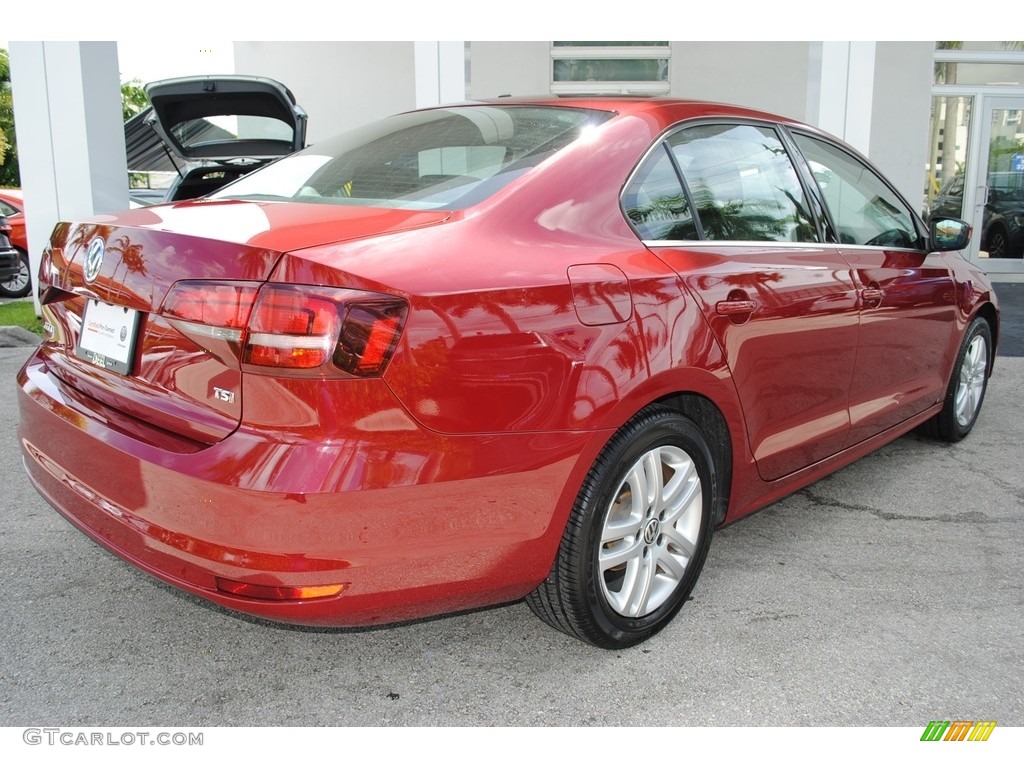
(67,110)
(844,91)
(440,72)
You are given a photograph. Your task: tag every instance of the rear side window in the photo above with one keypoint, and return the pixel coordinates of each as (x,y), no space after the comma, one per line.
(435,159)
(865,210)
(656,203)
(743,184)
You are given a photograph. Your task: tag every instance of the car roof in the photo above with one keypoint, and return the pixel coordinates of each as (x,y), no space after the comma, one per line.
(14,196)
(670,108)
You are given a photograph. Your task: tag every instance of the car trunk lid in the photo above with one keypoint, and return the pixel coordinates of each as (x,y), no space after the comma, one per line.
(226,117)
(107,285)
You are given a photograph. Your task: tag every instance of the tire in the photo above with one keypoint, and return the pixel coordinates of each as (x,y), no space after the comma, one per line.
(966,390)
(998,243)
(637,535)
(20,285)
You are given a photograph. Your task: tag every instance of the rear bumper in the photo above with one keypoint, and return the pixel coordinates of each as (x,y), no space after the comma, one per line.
(411,523)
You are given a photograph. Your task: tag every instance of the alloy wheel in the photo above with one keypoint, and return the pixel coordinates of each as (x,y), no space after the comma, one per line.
(971,384)
(650,531)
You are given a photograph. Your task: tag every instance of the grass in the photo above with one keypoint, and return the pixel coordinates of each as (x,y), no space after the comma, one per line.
(21,313)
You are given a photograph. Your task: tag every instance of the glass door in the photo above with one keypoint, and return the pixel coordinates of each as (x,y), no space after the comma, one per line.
(949,146)
(994,187)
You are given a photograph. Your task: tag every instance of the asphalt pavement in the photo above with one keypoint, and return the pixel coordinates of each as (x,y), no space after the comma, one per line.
(888,594)
(1011,320)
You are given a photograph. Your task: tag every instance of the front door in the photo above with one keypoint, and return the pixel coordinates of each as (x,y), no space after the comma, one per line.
(906,294)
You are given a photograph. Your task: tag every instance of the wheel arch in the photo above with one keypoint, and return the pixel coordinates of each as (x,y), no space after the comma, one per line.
(707,416)
(709,400)
(988,312)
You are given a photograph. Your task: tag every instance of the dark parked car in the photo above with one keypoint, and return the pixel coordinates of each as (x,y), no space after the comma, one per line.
(471,354)
(1002,223)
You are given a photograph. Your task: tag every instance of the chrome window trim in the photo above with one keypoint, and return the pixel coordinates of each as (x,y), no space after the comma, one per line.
(713,244)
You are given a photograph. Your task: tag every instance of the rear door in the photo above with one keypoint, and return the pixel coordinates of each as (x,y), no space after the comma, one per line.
(906,295)
(743,236)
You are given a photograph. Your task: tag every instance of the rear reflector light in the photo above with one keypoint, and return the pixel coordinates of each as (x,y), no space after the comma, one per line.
(268,592)
(299,328)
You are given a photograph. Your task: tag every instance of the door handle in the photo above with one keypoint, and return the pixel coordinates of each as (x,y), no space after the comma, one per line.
(872,297)
(736,307)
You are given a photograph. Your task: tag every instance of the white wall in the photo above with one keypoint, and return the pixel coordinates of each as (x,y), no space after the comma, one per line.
(341,85)
(514,68)
(900,113)
(770,76)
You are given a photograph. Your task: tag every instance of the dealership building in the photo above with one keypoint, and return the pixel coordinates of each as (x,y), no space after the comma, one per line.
(943,120)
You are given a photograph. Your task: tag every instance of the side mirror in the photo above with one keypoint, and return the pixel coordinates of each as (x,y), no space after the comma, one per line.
(948,234)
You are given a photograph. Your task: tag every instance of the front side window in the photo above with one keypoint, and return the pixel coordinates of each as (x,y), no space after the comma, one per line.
(743,184)
(864,209)
(434,159)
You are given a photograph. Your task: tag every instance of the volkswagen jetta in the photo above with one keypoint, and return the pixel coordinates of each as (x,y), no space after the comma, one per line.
(472,354)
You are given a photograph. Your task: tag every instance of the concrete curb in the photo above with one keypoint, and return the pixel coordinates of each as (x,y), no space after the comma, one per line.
(16,336)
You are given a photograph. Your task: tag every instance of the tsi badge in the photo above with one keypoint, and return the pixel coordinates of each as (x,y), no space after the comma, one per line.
(225,395)
(94,259)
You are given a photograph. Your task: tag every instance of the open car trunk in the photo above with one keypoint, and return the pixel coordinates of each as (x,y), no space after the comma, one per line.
(213,130)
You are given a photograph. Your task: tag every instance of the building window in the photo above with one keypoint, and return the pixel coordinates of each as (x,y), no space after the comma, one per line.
(582,68)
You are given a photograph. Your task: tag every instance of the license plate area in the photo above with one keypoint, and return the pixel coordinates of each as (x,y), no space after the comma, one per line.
(108,336)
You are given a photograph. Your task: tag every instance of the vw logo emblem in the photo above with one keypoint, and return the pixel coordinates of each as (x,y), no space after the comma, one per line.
(651,531)
(94,259)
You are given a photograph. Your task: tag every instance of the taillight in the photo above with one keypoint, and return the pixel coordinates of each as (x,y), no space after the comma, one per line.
(213,310)
(368,337)
(292,328)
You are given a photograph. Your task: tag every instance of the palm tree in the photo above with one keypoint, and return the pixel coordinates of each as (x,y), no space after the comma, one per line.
(9,176)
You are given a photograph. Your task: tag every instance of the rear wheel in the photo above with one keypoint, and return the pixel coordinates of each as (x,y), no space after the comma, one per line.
(966,390)
(998,243)
(637,536)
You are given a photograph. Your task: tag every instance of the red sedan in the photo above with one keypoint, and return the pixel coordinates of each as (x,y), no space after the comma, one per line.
(466,355)
(13,207)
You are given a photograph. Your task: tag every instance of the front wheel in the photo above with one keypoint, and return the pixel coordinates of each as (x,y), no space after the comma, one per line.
(637,536)
(20,285)
(966,390)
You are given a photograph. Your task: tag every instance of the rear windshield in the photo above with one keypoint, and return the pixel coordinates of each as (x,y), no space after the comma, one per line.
(223,129)
(437,159)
